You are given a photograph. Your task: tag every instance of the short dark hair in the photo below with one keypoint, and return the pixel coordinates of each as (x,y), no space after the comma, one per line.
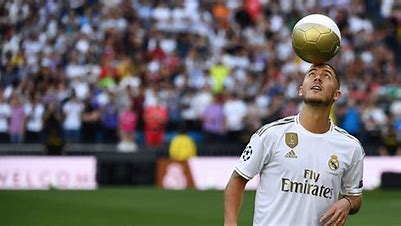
(334,70)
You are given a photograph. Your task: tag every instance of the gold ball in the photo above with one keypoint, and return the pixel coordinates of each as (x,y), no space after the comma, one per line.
(315,43)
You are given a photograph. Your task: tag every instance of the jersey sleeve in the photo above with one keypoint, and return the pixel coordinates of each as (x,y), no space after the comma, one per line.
(352,182)
(255,155)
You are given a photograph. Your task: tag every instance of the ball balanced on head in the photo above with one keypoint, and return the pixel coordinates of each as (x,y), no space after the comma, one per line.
(316,38)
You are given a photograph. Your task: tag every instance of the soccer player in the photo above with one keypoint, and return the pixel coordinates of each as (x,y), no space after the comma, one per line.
(304,163)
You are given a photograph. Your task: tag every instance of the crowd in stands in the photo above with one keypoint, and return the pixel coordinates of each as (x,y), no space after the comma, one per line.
(105,71)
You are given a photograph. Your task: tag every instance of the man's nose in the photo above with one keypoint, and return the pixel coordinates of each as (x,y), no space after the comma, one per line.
(317,77)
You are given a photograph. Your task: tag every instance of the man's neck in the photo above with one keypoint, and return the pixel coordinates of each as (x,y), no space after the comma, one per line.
(315,119)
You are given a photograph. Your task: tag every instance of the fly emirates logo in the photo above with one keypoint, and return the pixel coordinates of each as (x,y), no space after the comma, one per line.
(309,186)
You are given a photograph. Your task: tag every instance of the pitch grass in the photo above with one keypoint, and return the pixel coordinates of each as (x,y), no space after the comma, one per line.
(154,207)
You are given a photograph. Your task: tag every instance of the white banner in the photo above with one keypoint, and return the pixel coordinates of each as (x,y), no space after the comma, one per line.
(375,166)
(47,172)
(214,172)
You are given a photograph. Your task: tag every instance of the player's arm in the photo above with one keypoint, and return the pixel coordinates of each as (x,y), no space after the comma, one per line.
(233,196)
(352,193)
(338,213)
(256,154)
(355,203)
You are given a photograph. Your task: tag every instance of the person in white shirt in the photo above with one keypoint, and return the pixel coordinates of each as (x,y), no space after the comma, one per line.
(34,111)
(72,121)
(5,113)
(235,111)
(304,163)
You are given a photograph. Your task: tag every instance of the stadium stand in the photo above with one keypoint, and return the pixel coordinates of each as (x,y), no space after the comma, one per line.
(69,68)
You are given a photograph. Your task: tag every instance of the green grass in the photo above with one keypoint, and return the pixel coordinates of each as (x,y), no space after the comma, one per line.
(154,207)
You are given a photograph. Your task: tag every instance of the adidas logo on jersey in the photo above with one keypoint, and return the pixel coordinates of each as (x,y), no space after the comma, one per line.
(291,154)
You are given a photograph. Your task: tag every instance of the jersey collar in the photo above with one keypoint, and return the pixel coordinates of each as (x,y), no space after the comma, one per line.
(310,133)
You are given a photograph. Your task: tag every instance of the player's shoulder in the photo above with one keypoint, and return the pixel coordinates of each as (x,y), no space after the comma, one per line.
(340,132)
(346,137)
(275,126)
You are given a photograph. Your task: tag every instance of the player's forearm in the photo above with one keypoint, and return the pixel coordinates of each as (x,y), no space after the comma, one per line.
(233,196)
(355,202)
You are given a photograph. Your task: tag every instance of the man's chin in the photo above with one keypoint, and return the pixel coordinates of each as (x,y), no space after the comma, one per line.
(317,102)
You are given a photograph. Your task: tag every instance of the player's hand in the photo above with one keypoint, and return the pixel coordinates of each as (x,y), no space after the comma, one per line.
(337,214)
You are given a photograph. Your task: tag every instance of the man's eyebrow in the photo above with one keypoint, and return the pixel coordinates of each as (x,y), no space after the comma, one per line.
(327,70)
(312,69)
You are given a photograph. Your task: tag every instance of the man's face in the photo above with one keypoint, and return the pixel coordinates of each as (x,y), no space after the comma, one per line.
(320,87)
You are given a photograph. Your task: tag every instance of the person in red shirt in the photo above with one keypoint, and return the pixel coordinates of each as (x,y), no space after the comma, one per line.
(157,53)
(156,117)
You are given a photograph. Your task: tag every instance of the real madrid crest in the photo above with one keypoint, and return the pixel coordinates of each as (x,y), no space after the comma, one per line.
(333,163)
(291,139)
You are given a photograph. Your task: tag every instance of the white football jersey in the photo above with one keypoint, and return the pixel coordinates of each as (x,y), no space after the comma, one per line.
(301,173)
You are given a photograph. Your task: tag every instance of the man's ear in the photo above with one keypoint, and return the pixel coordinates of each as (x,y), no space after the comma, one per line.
(300,91)
(337,95)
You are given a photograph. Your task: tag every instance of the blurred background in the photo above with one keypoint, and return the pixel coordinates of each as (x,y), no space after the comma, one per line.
(140,89)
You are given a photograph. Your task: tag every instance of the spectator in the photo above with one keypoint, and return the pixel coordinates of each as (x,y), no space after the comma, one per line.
(17,120)
(275,109)
(127,122)
(221,13)
(72,119)
(290,108)
(5,114)
(155,117)
(172,99)
(254,116)
(91,122)
(391,144)
(201,100)
(374,122)
(235,111)
(34,112)
(157,53)
(53,130)
(218,72)
(138,101)
(188,109)
(182,146)
(214,126)
(352,120)
(109,120)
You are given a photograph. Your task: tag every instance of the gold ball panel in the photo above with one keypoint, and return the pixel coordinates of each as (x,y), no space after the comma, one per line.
(312,35)
(326,43)
(298,38)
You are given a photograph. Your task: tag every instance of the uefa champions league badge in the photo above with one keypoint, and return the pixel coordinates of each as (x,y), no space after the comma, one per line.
(246,155)
(333,163)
